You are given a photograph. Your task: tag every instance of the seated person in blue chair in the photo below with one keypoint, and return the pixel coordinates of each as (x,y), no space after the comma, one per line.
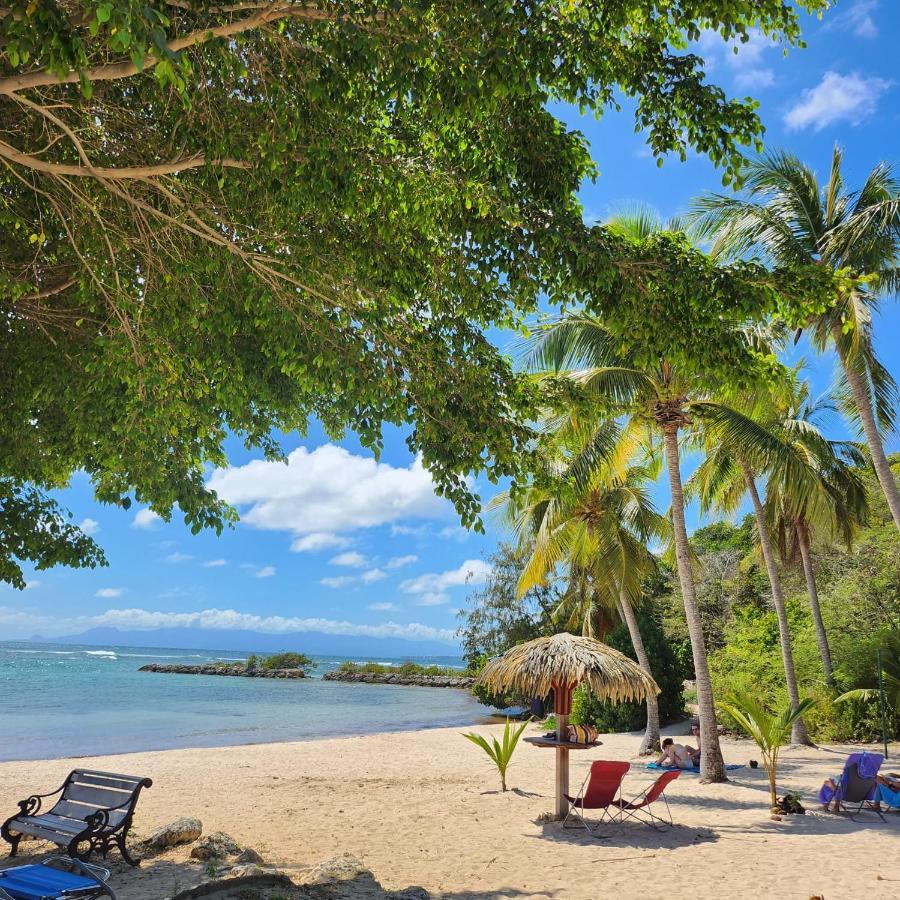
(888,791)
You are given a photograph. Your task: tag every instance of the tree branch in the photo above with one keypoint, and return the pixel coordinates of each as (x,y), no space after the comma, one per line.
(122,173)
(126,68)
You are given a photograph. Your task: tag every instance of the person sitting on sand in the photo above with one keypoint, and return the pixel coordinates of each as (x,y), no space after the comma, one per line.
(695,754)
(675,756)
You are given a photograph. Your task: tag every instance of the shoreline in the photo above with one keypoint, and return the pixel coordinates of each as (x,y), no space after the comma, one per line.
(482,720)
(423,808)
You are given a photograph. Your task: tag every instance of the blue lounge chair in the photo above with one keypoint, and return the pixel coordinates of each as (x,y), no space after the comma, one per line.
(857,784)
(45,881)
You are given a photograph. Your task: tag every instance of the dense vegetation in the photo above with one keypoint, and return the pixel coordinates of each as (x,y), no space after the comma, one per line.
(859,594)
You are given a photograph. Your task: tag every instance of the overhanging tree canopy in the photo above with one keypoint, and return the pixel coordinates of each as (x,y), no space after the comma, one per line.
(234,217)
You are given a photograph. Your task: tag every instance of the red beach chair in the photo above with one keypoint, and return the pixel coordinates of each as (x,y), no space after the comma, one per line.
(597,791)
(640,807)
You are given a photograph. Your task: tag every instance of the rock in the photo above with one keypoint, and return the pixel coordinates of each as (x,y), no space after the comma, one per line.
(216,845)
(231,669)
(181,831)
(338,868)
(248,855)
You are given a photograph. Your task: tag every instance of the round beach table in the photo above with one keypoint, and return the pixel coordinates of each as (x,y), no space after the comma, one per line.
(562,764)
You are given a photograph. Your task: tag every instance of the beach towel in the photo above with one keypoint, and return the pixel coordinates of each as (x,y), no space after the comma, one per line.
(693,771)
(867,766)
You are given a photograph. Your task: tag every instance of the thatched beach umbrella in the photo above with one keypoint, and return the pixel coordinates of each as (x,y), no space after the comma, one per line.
(560,663)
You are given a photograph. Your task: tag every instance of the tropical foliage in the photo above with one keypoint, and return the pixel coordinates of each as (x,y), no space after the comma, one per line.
(234,218)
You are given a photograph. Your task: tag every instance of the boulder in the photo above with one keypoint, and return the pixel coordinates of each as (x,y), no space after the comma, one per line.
(338,868)
(248,855)
(181,831)
(216,845)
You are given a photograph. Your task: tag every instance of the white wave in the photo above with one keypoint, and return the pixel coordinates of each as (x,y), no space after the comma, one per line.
(106,654)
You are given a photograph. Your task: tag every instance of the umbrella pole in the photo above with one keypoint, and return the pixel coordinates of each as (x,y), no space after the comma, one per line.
(562,695)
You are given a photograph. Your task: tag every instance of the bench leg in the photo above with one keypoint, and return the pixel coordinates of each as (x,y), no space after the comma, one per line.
(12,837)
(120,843)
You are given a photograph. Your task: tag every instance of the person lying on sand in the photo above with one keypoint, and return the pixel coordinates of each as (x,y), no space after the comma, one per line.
(675,756)
(888,790)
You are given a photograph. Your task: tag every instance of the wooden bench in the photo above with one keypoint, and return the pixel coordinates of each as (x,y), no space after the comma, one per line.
(93,808)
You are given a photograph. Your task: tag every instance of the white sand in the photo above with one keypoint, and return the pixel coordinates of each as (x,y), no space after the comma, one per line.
(423,808)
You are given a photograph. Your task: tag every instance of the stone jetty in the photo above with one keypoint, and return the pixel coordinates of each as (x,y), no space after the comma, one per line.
(449,681)
(239,671)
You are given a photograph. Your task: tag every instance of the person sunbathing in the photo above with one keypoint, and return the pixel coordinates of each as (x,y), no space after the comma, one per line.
(675,756)
(695,754)
(887,791)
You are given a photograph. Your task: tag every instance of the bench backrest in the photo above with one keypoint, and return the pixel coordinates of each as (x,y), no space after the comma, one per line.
(85,791)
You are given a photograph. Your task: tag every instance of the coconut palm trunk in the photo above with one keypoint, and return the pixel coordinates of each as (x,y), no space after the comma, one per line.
(651,734)
(798,729)
(712,766)
(813,594)
(863,403)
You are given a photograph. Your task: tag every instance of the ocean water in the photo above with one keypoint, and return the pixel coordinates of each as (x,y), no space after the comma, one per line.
(69,700)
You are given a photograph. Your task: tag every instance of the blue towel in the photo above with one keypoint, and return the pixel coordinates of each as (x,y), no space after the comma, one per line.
(693,771)
(39,882)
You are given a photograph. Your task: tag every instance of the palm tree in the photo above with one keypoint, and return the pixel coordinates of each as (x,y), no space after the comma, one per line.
(581,349)
(595,521)
(787,217)
(739,448)
(835,512)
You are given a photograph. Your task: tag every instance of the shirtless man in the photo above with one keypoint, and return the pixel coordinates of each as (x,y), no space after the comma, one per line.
(675,756)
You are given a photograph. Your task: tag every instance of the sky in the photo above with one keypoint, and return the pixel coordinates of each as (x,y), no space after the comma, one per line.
(337,542)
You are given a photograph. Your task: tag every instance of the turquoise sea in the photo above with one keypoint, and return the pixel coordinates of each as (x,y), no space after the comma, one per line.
(76,700)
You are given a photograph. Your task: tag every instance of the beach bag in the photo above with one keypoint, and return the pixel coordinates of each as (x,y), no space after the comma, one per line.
(582,734)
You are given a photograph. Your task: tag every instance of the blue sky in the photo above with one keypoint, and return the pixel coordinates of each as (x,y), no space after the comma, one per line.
(337,542)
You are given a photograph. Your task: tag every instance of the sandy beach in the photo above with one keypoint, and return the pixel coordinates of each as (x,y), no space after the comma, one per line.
(423,808)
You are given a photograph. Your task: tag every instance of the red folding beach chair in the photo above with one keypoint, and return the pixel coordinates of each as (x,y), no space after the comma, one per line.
(598,791)
(640,807)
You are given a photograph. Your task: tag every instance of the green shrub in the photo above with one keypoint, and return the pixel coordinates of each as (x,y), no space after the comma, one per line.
(407,668)
(287,661)
(668,672)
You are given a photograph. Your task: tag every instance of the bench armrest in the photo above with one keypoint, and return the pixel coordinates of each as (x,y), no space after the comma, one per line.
(32,805)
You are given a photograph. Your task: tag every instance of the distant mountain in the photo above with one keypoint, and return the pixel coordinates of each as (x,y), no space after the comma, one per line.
(314,642)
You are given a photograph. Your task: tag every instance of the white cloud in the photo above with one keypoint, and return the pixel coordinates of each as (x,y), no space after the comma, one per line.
(382,607)
(318,540)
(399,562)
(351,559)
(179,557)
(433,598)
(215,563)
(431,588)
(89,526)
(338,581)
(265,572)
(213,619)
(372,576)
(146,518)
(850,98)
(31,585)
(857,19)
(454,533)
(109,593)
(752,79)
(327,491)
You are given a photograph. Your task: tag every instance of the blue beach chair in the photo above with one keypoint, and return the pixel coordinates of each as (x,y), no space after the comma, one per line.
(44,881)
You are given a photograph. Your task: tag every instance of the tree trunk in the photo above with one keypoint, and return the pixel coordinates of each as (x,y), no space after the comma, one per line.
(712,766)
(798,729)
(812,591)
(650,743)
(873,438)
